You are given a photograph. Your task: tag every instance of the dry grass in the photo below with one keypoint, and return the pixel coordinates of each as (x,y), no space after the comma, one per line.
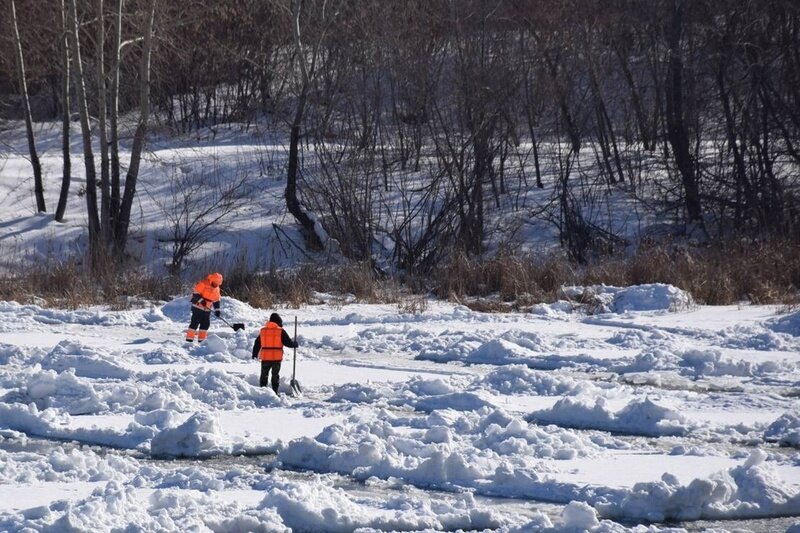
(506,278)
(298,287)
(723,273)
(69,285)
(412,304)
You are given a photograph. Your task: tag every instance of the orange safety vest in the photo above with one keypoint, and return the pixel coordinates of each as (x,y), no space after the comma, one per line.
(271,342)
(208,293)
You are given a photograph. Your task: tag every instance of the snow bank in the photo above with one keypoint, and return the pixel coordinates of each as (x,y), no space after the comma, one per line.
(485,450)
(511,348)
(422,394)
(119,507)
(748,491)
(177,390)
(500,352)
(233,310)
(519,379)
(651,297)
(609,299)
(755,338)
(789,324)
(326,509)
(199,436)
(48,389)
(85,361)
(64,465)
(579,516)
(88,316)
(200,388)
(458,401)
(638,417)
(700,363)
(785,430)
(16,355)
(55,424)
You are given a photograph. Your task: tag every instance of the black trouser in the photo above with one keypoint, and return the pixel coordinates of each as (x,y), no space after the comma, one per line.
(200,318)
(275,366)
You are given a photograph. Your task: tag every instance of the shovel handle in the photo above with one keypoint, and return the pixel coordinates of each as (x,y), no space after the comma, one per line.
(294,350)
(234,327)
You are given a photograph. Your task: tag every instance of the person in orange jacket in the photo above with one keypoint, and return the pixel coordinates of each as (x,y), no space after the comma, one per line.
(268,347)
(205,297)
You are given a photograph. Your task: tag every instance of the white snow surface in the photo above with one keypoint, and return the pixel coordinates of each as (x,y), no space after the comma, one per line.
(646,413)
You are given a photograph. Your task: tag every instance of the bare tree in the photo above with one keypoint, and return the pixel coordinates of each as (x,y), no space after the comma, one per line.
(676,125)
(86,130)
(102,127)
(113,117)
(111,229)
(66,172)
(123,222)
(26,106)
(307,60)
(196,208)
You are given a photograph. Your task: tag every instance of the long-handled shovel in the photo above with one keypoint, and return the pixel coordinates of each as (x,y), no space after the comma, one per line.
(294,383)
(236,325)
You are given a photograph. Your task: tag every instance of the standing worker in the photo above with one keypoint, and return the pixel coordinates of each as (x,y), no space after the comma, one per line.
(205,296)
(269,348)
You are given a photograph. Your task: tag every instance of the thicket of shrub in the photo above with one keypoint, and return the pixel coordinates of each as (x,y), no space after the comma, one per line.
(721,273)
(716,274)
(68,284)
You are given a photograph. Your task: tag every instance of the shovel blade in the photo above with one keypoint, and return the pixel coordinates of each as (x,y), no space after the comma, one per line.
(237,326)
(296,387)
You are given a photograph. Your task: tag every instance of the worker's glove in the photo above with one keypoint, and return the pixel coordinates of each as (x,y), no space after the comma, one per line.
(216,313)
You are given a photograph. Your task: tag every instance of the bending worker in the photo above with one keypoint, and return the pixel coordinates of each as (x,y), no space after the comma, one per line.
(269,348)
(205,296)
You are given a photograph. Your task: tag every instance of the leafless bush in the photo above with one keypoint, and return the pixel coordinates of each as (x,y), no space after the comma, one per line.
(790,305)
(197,206)
(359,280)
(412,304)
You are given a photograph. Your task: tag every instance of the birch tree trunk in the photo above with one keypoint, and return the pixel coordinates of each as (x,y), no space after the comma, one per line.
(86,131)
(105,224)
(114,114)
(65,118)
(26,108)
(123,223)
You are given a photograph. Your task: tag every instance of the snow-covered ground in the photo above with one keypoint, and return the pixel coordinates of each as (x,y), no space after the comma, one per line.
(655,412)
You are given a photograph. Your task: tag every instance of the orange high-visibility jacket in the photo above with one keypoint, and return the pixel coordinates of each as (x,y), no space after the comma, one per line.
(271,342)
(208,295)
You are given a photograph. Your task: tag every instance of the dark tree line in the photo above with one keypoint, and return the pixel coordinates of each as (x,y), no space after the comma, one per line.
(413,126)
